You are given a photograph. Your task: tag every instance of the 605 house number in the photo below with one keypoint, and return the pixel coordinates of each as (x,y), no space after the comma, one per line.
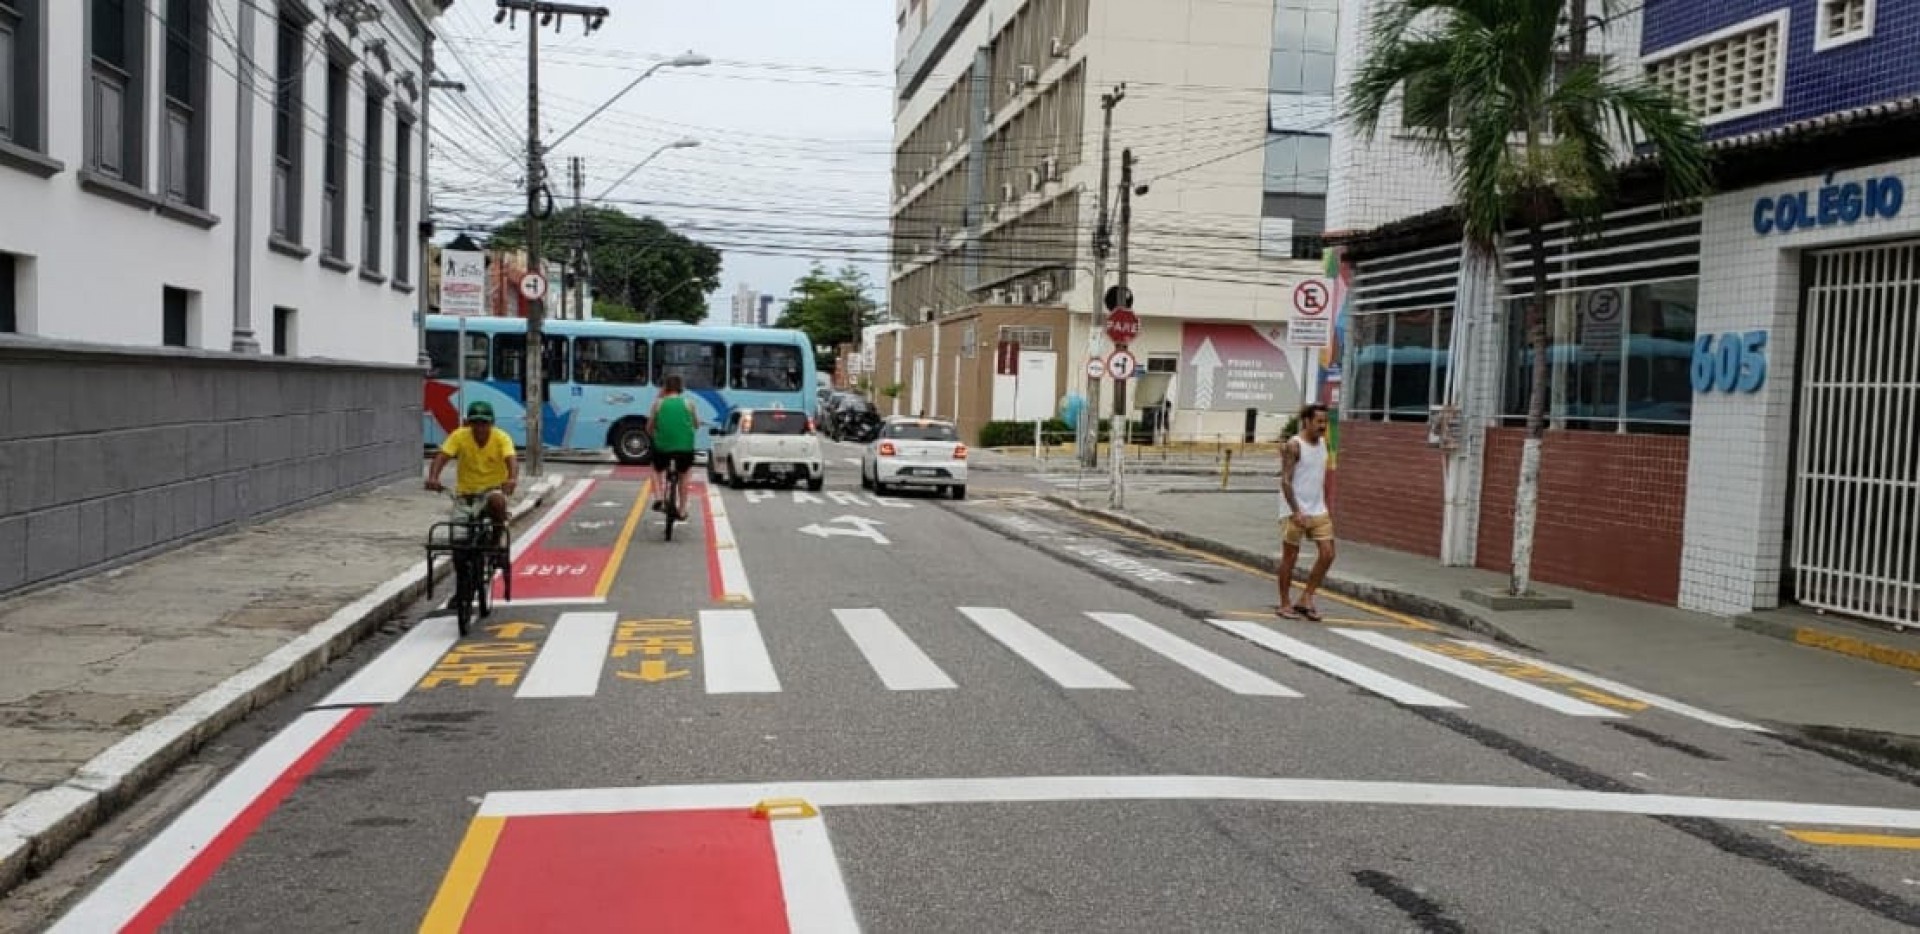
(1732,362)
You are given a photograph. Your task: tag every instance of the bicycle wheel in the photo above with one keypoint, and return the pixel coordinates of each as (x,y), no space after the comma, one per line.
(483,594)
(673,501)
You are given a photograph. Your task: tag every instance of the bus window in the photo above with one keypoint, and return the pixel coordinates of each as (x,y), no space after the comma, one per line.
(510,354)
(610,361)
(700,364)
(766,367)
(443,346)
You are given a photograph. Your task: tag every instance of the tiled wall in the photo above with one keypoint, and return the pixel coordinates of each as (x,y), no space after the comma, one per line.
(1388,486)
(1874,70)
(1611,509)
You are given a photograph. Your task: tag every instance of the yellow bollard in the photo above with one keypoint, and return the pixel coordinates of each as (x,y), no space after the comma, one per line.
(1226,468)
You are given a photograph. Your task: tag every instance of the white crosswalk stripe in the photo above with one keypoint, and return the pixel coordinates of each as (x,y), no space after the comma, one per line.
(1230,675)
(734,658)
(1353,673)
(1066,667)
(1549,699)
(570,662)
(901,665)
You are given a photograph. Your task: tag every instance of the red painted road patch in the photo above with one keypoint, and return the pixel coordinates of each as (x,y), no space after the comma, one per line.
(689,871)
(543,572)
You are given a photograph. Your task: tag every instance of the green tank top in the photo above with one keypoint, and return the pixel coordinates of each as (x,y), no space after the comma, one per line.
(673,425)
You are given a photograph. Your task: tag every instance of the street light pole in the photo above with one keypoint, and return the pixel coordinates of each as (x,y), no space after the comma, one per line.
(684,143)
(1087,437)
(535,394)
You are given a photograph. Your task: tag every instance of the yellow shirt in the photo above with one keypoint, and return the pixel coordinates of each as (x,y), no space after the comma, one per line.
(482,467)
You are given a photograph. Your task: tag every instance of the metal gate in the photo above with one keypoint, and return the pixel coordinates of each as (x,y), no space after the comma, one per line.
(1857,463)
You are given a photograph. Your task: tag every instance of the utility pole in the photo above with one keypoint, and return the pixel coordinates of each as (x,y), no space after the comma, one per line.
(555,14)
(1087,436)
(428,85)
(1117,489)
(1577,32)
(579,297)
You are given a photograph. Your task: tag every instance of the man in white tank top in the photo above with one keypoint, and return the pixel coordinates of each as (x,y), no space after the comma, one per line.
(1303,511)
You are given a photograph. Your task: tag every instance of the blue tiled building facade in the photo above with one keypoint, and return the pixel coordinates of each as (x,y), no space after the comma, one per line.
(1839,55)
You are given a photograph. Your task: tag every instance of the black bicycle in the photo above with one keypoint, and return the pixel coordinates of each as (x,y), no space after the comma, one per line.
(479,549)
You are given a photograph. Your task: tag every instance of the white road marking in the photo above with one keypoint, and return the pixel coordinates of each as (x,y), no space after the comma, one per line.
(552,601)
(854,527)
(844,498)
(734,654)
(802,497)
(1512,687)
(901,665)
(526,539)
(1221,671)
(855,461)
(1351,672)
(603,471)
(1645,697)
(733,571)
(395,671)
(817,899)
(138,880)
(759,496)
(1184,788)
(1066,667)
(570,660)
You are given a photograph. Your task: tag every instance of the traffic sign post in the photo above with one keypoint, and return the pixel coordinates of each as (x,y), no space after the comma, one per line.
(1123,326)
(1121,365)
(533,287)
(1312,324)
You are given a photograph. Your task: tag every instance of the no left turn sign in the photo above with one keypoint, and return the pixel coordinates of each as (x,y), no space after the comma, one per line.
(533,287)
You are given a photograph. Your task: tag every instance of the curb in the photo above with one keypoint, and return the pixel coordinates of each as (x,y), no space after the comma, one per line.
(1389,597)
(1831,641)
(40,827)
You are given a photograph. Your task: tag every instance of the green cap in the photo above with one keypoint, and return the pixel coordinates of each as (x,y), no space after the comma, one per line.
(480,412)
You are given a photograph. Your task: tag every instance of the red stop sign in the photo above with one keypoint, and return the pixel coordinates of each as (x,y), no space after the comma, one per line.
(1123,326)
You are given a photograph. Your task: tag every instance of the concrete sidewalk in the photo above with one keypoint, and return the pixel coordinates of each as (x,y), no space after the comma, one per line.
(1822,692)
(109,681)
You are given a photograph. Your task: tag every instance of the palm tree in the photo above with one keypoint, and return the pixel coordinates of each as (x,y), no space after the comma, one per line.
(1529,126)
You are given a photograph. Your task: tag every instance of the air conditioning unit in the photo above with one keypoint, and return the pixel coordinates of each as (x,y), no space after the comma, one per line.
(901,189)
(948,147)
(1058,47)
(1006,192)
(993,212)
(1033,179)
(1029,75)
(920,174)
(939,236)
(1013,88)
(997,297)
(1042,290)
(926,314)
(1050,168)
(959,134)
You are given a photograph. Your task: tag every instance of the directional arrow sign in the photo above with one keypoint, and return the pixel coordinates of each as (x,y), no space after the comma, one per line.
(862,527)
(513,630)
(1205,361)
(652,670)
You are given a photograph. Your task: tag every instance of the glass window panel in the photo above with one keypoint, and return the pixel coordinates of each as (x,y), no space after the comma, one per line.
(1289,28)
(1367,385)
(1314,153)
(8,89)
(1288,66)
(1322,32)
(766,367)
(110,32)
(699,364)
(1316,76)
(610,361)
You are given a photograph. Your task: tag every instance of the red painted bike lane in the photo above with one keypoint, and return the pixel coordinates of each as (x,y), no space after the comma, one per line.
(577,556)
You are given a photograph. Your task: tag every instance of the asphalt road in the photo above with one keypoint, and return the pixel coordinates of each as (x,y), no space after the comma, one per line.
(986,715)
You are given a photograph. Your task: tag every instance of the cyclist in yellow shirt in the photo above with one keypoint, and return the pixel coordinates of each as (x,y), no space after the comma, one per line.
(489,468)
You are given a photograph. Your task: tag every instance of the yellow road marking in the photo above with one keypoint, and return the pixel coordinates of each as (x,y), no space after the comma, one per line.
(1401,618)
(619,555)
(1873,840)
(1269,616)
(450,906)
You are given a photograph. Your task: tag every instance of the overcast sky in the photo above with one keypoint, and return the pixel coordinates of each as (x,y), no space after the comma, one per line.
(794,119)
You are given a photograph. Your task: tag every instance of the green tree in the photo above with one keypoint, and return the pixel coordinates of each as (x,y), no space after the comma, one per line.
(637,263)
(830,308)
(1530,127)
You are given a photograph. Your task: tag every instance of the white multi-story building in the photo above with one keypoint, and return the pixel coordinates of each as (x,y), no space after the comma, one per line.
(746,307)
(1226,111)
(213,174)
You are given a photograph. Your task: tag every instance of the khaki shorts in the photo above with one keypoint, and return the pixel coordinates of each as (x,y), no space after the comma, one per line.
(1319,528)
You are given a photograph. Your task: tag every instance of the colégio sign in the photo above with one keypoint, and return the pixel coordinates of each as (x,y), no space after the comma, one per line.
(1830,205)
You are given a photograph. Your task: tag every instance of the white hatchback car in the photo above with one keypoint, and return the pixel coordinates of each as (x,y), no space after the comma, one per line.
(767,446)
(915,452)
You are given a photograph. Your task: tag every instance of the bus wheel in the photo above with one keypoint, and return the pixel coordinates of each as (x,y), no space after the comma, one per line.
(630,444)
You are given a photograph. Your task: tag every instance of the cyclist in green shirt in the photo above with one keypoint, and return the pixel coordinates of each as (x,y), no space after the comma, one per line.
(672,424)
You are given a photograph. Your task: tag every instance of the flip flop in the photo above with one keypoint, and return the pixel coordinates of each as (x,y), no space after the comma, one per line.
(1310,613)
(1289,612)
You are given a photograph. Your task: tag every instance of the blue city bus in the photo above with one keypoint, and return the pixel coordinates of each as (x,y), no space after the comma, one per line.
(602,376)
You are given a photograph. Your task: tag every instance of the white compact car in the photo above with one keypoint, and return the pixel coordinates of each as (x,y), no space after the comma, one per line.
(915,452)
(767,446)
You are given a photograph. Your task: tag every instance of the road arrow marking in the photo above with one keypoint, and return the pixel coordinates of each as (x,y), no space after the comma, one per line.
(592,525)
(512,630)
(653,670)
(863,527)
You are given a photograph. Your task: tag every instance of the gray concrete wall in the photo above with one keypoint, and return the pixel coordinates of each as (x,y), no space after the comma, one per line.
(110,454)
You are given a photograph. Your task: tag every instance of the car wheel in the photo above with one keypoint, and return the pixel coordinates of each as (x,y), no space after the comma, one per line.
(733,475)
(631,445)
(816,484)
(958,491)
(713,476)
(866,483)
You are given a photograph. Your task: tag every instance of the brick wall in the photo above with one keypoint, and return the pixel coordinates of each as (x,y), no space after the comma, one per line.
(1388,486)
(111,454)
(1612,509)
